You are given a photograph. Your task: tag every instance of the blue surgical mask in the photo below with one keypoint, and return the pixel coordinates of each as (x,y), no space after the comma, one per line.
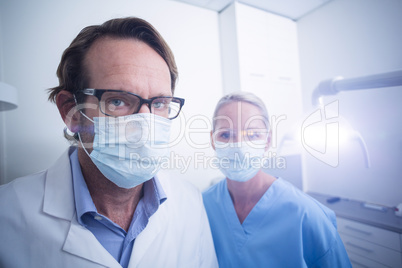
(129,150)
(240,161)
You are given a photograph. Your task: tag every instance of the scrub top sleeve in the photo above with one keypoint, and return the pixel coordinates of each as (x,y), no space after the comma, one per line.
(336,256)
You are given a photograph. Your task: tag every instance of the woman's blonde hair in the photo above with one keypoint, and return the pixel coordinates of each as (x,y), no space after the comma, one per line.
(242,96)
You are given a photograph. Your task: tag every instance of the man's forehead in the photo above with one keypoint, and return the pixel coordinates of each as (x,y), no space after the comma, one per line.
(110,60)
(116,50)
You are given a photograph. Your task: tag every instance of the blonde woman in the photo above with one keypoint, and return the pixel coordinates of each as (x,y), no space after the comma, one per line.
(258,220)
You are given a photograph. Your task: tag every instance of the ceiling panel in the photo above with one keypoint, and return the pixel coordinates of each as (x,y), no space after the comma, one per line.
(216,5)
(293,9)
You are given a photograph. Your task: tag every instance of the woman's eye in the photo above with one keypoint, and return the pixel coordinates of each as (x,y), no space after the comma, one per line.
(253,135)
(225,135)
(256,135)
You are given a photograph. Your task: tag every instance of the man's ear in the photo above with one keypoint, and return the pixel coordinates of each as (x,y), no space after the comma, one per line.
(212,140)
(67,109)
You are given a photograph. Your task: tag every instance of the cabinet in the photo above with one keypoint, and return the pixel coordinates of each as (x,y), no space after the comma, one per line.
(372,238)
(370,246)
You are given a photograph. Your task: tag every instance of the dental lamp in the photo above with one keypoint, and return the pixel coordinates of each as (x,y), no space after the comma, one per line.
(8,97)
(338,84)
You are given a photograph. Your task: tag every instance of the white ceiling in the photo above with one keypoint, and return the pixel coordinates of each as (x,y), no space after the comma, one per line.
(216,5)
(293,9)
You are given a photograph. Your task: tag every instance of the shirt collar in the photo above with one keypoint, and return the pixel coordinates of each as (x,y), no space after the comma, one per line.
(154,195)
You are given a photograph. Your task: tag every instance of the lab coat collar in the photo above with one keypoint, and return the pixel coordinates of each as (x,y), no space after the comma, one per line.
(81,242)
(157,222)
(59,197)
(59,202)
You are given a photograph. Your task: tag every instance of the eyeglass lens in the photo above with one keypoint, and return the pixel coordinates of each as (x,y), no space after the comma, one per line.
(121,104)
(231,135)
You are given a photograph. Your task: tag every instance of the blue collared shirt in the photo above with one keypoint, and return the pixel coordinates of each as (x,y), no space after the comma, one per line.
(113,238)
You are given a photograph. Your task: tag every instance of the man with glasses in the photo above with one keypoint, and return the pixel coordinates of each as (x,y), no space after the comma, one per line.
(104,203)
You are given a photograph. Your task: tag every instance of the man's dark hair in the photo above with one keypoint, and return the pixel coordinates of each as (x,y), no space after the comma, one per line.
(71,71)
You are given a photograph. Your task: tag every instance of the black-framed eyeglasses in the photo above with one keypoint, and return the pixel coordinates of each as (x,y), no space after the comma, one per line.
(121,103)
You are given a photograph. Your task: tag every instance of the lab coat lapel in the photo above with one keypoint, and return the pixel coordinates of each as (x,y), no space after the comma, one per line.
(145,239)
(59,197)
(82,243)
(59,202)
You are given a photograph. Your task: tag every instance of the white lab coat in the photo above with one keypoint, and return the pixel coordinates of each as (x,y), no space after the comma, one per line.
(39,228)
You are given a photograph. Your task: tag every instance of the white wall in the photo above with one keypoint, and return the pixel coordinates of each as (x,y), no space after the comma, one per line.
(34,35)
(260,55)
(356,38)
(345,37)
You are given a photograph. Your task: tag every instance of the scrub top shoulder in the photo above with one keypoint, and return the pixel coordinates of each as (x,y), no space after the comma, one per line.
(286,228)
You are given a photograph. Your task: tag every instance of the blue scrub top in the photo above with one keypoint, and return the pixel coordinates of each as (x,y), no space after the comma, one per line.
(286,228)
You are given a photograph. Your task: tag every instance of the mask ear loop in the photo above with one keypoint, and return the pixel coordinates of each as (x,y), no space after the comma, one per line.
(79,135)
